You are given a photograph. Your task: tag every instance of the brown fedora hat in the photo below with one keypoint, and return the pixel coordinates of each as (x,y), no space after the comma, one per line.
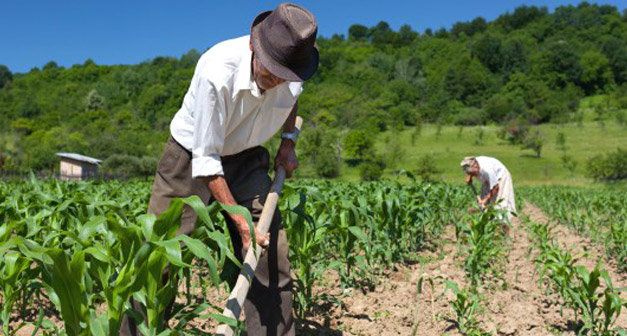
(285,42)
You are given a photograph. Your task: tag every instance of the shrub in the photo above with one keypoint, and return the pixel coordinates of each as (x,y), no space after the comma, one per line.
(427,170)
(127,166)
(416,133)
(514,132)
(327,164)
(371,169)
(609,167)
(569,163)
(357,144)
(534,141)
(479,136)
(470,116)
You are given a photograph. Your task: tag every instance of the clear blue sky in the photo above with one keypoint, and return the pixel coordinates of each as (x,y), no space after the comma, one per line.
(128,32)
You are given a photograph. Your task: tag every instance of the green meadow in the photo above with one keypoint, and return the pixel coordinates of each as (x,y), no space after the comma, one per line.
(583,140)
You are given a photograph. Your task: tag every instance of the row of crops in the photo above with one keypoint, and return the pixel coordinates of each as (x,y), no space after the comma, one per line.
(482,243)
(79,251)
(598,213)
(589,293)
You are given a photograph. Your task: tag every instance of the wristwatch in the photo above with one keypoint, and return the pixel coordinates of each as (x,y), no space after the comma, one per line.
(291,136)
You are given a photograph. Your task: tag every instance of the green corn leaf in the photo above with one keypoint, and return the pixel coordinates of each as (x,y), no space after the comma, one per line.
(173,251)
(200,250)
(168,223)
(200,208)
(357,232)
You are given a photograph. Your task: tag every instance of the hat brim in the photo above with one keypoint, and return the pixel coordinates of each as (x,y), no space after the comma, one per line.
(289,74)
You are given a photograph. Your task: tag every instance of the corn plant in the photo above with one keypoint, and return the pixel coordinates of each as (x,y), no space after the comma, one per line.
(559,267)
(307,238)
(599,308)
(465,305)
(482,242)
(14,279)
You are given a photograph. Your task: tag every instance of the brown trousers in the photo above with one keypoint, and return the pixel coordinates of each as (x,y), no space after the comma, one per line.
(268,307)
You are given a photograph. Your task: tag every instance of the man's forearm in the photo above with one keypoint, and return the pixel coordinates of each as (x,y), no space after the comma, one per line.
(220,190)
(289,126)
(492,194)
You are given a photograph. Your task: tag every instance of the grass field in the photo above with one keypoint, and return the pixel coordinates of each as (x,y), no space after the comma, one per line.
(582,141)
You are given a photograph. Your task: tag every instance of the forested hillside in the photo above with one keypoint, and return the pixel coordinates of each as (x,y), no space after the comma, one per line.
(530,66)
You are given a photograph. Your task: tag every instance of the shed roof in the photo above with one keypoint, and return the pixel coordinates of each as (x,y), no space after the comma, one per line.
(79,157)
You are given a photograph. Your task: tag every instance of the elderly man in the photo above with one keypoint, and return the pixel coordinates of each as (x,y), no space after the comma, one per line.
(242,92)
(496,183)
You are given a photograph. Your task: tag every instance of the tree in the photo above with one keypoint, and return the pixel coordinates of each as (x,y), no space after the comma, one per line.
(467,80)
(357,144)
(534,141)
(560,141)
(5,76)
(596,72)
(51,65)
(407,35)
(128,166)
(514,57)
(616,52)
(569,163)
(427,169)
(371,169)
(441,33)
(320,145)
(395,154)
(382,34)
(190,59)
(560,64)
(521,17)
(488,50)
(94,101)
(358,32)
(327,164)
(609,167)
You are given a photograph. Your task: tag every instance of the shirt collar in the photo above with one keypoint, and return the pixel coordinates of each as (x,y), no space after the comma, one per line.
(244,80)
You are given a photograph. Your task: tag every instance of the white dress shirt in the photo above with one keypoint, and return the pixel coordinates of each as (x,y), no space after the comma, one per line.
(223,112)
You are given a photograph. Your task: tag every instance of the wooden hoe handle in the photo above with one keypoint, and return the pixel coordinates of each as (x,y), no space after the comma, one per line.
(238,295)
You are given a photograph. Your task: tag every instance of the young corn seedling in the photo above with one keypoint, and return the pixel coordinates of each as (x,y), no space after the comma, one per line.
(306,239)
(465,305)
(484,246)
(13,283)
(599,308)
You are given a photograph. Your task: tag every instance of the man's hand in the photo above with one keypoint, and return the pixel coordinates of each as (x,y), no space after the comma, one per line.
(468,179)
(244,232)
(286,157)
(220,191)
(483,202)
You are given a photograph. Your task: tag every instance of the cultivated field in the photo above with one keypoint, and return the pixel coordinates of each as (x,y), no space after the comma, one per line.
(368,259)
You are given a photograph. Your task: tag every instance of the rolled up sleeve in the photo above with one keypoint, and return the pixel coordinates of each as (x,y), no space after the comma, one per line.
(209,130)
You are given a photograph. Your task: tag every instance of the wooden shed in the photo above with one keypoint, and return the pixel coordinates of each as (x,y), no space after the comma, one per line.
(77,167)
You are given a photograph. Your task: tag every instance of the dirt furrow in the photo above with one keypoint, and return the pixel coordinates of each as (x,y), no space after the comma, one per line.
(517,309)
